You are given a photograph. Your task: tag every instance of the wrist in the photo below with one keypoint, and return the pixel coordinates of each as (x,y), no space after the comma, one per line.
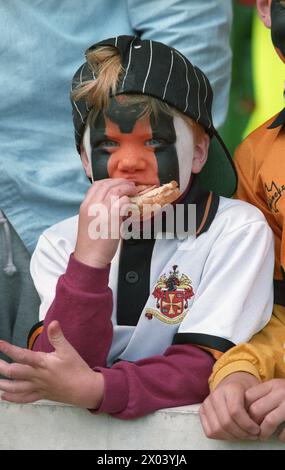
(245,379)
(95,390)
(88,260)
(221,372)
(86,278)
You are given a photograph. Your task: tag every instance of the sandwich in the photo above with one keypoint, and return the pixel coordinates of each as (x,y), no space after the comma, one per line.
(163,195)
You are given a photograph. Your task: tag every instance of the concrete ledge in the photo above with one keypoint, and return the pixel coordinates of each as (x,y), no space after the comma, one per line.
(48,425)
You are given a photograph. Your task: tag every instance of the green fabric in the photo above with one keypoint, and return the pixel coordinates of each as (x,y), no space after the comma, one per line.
(241,96)
(218,175)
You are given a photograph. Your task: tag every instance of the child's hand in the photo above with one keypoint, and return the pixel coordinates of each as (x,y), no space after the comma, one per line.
(59,376)
(223,414)
(99,252)
(266,404)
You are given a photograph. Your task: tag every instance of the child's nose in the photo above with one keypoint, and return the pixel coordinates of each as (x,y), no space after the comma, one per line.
(131,161)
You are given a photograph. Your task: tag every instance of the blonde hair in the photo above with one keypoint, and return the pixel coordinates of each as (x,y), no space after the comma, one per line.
(105,61)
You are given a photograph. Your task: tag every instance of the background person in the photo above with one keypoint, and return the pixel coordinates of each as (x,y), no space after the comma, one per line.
(238,406)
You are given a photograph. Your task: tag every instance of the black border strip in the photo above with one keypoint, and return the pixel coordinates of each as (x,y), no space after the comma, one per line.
(136,256)
(199,196)
(279,292)
(212,213)
(209,341)
(229,159)
(33,329)
(278,121)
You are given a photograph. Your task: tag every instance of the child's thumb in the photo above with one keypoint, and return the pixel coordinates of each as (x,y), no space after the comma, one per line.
(56,336)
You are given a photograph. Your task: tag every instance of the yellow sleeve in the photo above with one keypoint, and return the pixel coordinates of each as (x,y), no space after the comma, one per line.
(245,357)
(263,356)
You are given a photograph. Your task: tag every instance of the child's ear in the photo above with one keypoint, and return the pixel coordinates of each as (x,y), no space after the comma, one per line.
(85,161)
(264,11)
(200,153)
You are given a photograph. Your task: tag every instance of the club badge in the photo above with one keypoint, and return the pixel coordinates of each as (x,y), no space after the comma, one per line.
(172,294)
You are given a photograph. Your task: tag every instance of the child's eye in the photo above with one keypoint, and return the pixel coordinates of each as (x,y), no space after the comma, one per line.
(154,142)
(108,143)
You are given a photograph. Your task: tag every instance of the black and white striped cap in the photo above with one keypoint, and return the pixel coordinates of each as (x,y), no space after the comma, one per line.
(152,68)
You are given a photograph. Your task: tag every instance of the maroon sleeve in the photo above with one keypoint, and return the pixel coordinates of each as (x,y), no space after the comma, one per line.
(178,377)
(83,306)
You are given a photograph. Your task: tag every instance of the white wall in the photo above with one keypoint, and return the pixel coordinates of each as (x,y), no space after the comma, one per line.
(47,425)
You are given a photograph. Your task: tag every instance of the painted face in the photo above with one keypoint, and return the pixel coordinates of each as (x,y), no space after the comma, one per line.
(146,150)
(278,26)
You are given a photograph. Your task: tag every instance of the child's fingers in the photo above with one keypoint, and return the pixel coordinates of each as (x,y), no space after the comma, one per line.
(257,392)
(16,371)
(107,222)
(271,422)
(21,355)
(112,198)
(233,418)
(100,189)
(57,338)
(16,386)
(213,428)
(21,397)
(262,407)
(241,424)
(122,190)
(227,417)
(204,421)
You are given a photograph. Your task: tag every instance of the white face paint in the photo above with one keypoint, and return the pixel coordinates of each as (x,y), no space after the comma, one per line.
(185,150)
(87,147)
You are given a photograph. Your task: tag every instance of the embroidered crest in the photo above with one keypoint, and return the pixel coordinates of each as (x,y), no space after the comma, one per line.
(273,194)
(172,294)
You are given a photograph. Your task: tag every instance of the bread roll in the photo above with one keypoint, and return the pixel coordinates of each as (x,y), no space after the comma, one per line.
(163,195)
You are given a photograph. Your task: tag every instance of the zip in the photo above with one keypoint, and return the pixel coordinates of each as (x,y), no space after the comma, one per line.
(10,267)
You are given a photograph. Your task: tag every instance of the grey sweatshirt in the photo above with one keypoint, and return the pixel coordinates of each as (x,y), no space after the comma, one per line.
(19,302)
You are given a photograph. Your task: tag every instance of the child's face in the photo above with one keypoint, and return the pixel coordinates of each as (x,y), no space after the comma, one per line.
(272,14)
(146,150)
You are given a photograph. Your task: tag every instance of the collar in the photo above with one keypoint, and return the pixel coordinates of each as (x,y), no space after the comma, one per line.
(278,121)
(206,203)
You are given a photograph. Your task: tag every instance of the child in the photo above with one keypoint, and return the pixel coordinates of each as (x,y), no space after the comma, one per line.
(240,407)
(142,322)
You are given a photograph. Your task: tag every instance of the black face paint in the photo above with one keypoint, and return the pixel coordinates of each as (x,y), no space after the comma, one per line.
(278,26)
(99,155)
(160,139)
(166,154)
(125,116)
